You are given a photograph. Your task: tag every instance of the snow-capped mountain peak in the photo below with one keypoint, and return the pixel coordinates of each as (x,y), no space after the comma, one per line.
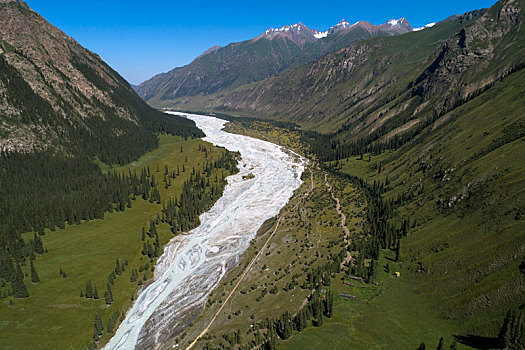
(397,22)
(320,35)
(299,32)
(295,27)
(393,22)
(342,24)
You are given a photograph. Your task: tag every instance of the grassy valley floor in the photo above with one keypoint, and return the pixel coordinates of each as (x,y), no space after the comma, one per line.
(397,313)
(55,316)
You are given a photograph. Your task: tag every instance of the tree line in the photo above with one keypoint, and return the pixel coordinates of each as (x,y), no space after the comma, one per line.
(43,190)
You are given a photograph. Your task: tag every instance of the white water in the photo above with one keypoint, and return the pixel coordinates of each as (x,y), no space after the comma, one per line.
(192,265)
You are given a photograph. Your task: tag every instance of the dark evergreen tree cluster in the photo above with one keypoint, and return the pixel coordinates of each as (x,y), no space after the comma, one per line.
(512,333)
(98,327)
(321,275)
(112,321)
(44,191)
(379,231)
(70,190)
(199,193)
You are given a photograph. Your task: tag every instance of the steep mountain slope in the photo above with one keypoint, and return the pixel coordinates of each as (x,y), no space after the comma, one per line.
(56,94)
(253,60)
(364,86)
(439,116)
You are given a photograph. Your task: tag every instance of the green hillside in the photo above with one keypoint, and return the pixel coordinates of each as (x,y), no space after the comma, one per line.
(443,145)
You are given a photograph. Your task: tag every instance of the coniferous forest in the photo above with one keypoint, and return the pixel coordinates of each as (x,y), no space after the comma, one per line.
(41,191)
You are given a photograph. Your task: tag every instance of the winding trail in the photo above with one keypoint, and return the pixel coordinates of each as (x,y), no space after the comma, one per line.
(346,238)
(343,220)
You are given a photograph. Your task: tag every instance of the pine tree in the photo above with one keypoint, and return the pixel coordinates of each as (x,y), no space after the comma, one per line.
(34,275)
(81,293)
(108,295)
(512,333)
(421,346)
(133,277)
(152,228)
(110,325)
(505,332)
(441,344)
(18,285)
(7,269)
(89,290)
(111,277)
(319,322)
(95,294)
(118,268)
(287,326)
(98,327)
(372,271)
(329,304)
(37,244)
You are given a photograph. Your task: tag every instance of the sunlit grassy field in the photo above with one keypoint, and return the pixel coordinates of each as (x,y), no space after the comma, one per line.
(55,316)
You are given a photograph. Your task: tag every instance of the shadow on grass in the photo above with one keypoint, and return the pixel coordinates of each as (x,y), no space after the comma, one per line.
(478,342)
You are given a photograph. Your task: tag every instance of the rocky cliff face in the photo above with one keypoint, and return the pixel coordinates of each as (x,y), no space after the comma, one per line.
(275,50)
(56,94)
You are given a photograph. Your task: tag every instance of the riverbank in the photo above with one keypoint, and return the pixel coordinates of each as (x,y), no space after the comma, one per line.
(218,243)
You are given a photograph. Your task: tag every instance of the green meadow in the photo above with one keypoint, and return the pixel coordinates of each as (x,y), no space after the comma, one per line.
(55,316)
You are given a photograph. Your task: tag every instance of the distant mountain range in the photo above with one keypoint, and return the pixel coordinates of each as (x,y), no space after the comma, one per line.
(272,52)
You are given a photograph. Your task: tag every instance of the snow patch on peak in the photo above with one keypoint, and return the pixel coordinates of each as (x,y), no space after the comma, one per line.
(393,22)
(424,27)
(397,22)
(342,23)
(284,29)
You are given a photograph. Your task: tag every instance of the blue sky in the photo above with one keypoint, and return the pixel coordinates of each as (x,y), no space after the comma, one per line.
(142,38)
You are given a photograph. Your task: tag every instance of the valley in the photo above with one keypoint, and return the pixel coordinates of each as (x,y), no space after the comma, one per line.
(55,315)
(360,186)
(195,263)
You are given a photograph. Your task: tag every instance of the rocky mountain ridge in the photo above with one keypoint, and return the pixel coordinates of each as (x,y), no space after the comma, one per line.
(272,52)
(369,85)
(300,33)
